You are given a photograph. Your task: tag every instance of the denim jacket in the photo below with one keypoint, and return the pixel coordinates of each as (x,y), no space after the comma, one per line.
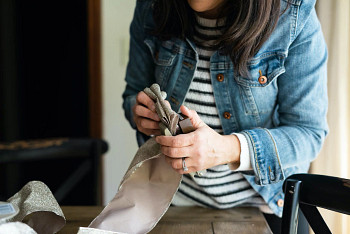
(283,118)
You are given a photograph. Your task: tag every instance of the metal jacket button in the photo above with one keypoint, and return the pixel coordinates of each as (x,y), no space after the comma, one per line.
(220,77)
(280,203)
(227,115)
(262,79)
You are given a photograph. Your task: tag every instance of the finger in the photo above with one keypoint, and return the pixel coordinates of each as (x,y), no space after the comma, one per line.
(194,117)
(146,123)
(177,152)
(190,170)
(150,132)
(143,99)
(174,163)
(177,164)
(168,159)
(145,112)
(178,141)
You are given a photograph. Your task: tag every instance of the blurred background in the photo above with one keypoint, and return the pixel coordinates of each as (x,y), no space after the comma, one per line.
(62,67)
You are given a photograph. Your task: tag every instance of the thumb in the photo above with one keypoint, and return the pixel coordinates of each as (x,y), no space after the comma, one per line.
(193,116)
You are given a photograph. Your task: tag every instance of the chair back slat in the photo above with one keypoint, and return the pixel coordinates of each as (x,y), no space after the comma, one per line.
(328,192)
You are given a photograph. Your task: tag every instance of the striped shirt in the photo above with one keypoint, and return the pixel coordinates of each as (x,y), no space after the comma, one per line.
(220,187)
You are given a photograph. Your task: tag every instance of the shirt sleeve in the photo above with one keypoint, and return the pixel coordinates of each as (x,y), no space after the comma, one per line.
(244,163)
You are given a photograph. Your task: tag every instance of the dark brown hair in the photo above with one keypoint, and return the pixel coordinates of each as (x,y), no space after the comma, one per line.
(249,23)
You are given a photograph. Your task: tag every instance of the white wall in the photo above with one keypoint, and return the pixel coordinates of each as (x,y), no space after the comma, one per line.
(116,18)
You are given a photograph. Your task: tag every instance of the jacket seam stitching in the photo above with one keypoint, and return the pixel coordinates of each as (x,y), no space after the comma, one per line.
(255,155)
(265,55)
(275,147)
(294,24)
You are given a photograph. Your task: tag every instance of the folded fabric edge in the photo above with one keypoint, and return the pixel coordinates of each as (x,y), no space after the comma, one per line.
(87,230)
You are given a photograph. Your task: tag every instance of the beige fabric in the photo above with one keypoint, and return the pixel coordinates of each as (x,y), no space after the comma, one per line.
(148,186)
(144,195)
(335,159)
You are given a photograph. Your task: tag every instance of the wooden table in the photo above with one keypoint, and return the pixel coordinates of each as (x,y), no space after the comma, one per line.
(182,220)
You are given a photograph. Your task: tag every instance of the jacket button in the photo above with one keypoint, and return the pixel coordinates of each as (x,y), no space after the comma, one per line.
(280,202)
(227,115)
(220,77)
(262,79)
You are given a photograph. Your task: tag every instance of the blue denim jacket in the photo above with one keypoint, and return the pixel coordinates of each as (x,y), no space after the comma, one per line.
(284,119)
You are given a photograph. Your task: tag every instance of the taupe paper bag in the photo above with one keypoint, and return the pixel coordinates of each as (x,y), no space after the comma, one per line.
(148,186)
(144,195)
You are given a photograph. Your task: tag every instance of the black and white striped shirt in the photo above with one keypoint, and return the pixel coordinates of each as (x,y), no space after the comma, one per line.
(220,187)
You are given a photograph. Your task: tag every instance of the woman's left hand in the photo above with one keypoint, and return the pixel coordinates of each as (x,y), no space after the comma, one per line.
(202,148)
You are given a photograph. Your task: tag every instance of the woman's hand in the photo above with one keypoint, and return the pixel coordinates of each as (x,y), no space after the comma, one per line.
(203,148)
(145,116)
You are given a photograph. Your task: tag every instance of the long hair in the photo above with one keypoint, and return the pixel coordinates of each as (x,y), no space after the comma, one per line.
(248,24)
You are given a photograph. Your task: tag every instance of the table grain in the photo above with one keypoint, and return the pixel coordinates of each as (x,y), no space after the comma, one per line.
(183,220)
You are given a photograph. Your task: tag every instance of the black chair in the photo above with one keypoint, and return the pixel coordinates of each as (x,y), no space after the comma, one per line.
(307,192)
(88,150)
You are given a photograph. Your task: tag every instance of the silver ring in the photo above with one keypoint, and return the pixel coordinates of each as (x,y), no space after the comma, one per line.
(184,164)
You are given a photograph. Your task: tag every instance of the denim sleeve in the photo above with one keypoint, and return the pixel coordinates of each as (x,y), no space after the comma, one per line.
(140,69)
(302,108)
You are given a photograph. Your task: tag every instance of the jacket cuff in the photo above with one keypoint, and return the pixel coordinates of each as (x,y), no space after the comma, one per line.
(244,162)
(264,156)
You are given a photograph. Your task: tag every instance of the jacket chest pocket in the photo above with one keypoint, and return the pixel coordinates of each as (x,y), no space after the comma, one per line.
(163,54)
(259,91)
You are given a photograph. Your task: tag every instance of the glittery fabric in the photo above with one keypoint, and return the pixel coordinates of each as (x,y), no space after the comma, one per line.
(38,207)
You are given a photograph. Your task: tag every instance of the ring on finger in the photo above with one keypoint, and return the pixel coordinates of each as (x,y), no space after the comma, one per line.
(184,167)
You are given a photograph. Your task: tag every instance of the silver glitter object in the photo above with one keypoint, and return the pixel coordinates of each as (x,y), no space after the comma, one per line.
(38,207)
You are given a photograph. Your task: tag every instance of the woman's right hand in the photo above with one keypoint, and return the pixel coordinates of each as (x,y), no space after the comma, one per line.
(145,116)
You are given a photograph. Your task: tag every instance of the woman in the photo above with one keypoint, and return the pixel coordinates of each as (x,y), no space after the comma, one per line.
(252,75)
